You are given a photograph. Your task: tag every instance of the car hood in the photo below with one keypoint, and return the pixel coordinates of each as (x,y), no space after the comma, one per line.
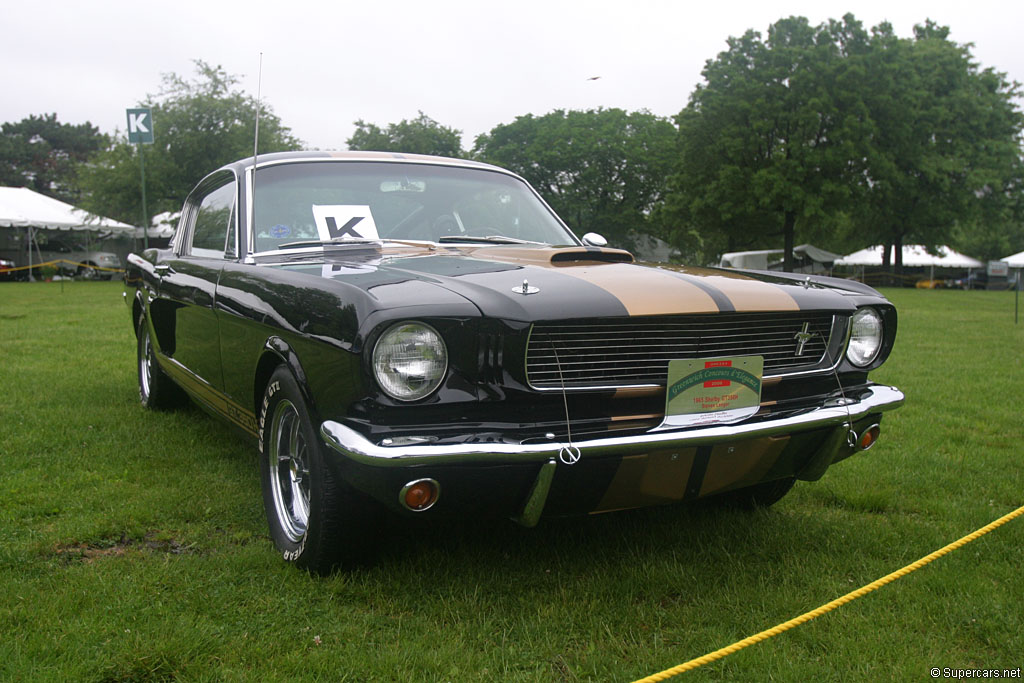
(533,284)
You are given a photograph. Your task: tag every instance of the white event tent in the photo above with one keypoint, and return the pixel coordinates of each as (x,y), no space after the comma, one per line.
(1015,261)
(22,208)
(914,255)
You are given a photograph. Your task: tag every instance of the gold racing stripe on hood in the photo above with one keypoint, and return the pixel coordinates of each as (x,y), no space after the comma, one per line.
(650,289)
(748,294)
(644,291)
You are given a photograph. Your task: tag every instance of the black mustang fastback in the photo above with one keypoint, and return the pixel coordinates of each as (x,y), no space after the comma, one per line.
(425,335)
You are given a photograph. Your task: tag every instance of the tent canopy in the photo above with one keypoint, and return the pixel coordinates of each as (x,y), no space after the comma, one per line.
(914,255)
(163,226)
(762,258)
(1015,261)
(20,207)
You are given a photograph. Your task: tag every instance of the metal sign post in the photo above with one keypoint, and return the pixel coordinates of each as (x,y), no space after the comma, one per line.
(140,131)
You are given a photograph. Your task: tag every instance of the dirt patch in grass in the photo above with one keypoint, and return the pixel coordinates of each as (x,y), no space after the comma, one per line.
(151,542)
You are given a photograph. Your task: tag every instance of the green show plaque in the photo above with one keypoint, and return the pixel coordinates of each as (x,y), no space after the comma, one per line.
(710,391)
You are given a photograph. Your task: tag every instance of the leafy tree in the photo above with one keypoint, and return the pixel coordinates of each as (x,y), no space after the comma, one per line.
(943,162)
(601,170)
(766,140)
(831,132)
(990,240)
(40,153)
(421,135)
(199,125)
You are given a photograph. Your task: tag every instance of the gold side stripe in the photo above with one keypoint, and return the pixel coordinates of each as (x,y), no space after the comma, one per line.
(216,400)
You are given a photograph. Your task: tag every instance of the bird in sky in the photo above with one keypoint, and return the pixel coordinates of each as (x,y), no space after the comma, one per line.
(593,78)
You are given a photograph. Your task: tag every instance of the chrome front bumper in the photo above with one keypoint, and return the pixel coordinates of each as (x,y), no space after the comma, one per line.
(837,412)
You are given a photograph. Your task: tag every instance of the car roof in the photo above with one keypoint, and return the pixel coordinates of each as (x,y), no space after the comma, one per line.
(284,157)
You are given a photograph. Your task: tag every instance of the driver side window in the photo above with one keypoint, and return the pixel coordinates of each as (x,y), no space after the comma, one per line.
(213,234)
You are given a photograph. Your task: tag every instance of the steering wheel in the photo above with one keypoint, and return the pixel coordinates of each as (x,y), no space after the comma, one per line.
(446,224)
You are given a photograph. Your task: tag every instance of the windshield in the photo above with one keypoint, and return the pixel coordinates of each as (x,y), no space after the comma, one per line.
(329,201)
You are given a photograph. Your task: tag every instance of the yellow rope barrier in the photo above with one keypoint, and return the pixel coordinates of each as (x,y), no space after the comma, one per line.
(849,597)
(36,266)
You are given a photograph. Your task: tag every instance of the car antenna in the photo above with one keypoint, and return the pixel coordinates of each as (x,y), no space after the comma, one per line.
(256,145)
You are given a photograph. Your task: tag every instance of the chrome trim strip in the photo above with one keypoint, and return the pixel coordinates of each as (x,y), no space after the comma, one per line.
(354,446)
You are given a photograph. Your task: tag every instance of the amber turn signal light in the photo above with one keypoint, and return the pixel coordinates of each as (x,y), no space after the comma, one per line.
(868,437)
(419,495)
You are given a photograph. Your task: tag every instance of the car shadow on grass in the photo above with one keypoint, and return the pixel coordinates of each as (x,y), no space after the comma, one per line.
(701,533)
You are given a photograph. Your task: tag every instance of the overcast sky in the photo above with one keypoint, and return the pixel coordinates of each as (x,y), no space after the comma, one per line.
(468,64)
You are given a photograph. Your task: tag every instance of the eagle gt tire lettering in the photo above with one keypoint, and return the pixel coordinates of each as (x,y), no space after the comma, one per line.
(316,520)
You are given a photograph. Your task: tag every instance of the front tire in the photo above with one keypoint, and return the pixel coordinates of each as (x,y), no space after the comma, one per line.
(156,390)
(317,521)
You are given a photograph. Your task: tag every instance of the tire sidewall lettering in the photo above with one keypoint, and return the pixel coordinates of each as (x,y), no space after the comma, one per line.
(293,555)
(272,389)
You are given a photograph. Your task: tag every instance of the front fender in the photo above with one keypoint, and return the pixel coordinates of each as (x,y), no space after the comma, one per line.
(277,351)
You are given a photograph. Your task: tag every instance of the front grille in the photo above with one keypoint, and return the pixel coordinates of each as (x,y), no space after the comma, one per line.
(622,352)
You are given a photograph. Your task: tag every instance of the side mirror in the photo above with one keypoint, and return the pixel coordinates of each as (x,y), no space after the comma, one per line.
(592,239)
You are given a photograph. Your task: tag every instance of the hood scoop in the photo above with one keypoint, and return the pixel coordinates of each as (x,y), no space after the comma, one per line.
(602,255)
(554,256)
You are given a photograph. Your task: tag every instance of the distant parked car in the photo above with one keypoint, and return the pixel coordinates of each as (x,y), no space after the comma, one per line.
(77,259)
(979,279)
(5,269)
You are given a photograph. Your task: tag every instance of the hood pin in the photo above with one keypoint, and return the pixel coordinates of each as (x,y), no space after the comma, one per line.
(525,289)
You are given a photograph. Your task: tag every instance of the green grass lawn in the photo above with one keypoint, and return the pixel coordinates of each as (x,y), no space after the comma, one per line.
(133,545)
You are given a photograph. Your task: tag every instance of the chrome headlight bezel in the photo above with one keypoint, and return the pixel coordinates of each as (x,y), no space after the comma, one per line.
(409,361)
(867,336)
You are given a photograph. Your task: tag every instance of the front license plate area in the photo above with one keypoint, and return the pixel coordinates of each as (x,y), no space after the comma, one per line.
(712,391)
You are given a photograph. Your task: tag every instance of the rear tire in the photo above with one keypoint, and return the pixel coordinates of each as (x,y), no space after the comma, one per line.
(157,391)
(317,521)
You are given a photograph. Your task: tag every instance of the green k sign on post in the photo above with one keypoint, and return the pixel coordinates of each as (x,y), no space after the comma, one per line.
(140,125)
(140,132)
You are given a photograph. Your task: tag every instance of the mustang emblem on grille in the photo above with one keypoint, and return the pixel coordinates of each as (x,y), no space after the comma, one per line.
(802,337)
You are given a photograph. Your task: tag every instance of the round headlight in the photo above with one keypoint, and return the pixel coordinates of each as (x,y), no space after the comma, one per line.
(865,337)
(409,361)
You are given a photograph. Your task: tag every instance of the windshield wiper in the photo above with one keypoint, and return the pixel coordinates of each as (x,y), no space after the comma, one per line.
(327,243)
(490,239)
(355,242)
